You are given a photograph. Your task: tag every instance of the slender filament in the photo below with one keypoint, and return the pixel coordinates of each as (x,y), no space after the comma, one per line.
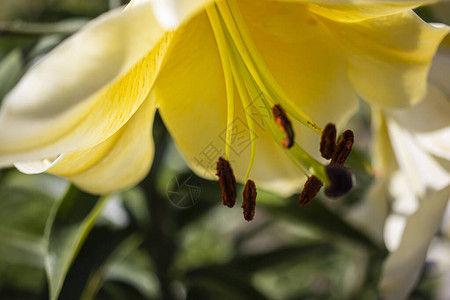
(215,24)
(224,49)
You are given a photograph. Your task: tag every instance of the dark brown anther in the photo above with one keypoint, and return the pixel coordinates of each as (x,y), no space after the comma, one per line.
(227,182)
(310,190)
(249,200)
(343,148)
(285,125)
(328,141)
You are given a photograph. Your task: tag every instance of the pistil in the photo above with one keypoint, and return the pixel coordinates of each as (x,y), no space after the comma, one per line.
(341,179)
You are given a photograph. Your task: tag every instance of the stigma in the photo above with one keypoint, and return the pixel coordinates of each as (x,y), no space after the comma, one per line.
(341,179)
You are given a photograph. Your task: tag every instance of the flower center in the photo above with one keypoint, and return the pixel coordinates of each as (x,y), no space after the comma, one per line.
(244,68)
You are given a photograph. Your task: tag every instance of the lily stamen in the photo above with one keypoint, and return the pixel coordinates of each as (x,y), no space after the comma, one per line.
(227,182)
(328,141)
(310,190)
(285,125)
(249,200)
(343,148)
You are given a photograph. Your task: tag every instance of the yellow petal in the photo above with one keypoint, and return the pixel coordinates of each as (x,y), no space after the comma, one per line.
(190,89)
(362,10)
(85,90)
(388,57)
(308,65)
(194,110)
(119,162)
(174,12)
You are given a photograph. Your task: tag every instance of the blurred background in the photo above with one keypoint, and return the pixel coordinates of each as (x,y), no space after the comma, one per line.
(170,237)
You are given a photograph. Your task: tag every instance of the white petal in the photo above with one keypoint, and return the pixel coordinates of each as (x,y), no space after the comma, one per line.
(370,215)
(171,13)
(422,170)
(393,230)
(429,120)
(118,163)
(402,268)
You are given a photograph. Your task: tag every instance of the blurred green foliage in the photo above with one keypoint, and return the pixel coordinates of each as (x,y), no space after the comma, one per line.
(56,240)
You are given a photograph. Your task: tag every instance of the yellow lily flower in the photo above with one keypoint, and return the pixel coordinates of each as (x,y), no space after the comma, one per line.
(213,70)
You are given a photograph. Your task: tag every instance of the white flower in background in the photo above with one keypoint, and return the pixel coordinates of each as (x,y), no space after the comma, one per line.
(412,157)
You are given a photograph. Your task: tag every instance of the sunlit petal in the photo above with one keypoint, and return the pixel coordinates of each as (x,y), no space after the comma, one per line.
(353,11)
(388,57)
(314,79)
(119,162)
(102,75)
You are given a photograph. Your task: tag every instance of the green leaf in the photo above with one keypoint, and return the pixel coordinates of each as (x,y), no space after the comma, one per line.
(220,282)
(17,9)
(11,68)
(132,266)
(293,254)
(67,228)
(23,213)
(86,272)
(22,28)
(84,8)
(318,216)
